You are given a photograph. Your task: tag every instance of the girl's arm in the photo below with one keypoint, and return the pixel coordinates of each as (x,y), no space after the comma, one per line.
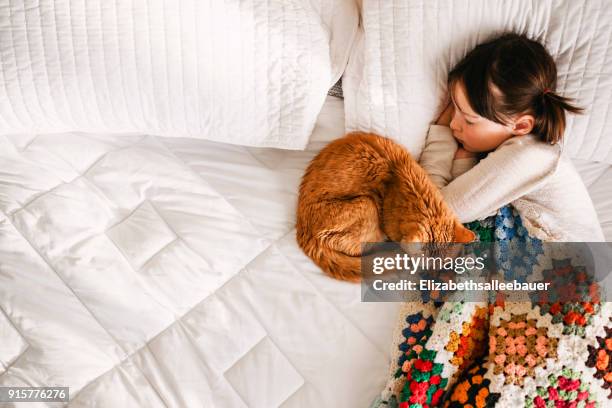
(441,158)
(477,190)
(463,162)
(440,149)
(437,156)
(517,167)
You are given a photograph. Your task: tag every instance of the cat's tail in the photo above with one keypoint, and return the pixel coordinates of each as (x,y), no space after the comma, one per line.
(338,264)
(335,244)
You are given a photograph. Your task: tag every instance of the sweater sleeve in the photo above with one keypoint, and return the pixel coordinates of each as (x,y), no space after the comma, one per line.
(515,168)
(460,166)
(437,157)
(438,153)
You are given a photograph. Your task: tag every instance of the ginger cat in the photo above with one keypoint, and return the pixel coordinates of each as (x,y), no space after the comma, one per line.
(365,188)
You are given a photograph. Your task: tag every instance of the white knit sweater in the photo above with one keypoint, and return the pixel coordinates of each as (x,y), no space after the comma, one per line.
(538,179)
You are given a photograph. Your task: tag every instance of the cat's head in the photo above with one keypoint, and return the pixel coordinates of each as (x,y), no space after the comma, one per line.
(445,229)
(444,238)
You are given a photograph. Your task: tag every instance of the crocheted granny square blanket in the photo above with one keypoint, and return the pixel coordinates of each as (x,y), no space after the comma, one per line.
(500,353)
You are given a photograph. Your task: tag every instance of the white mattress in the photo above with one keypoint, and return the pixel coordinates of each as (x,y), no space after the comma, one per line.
(151,272)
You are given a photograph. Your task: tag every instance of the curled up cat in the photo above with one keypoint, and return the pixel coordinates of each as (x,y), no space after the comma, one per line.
(367,188)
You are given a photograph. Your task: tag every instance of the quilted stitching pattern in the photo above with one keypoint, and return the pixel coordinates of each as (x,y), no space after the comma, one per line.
(283,379)
(396,80)
(13,344)
(166,270)
(142,235)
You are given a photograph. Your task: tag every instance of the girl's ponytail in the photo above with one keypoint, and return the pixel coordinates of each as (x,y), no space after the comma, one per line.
(550,116)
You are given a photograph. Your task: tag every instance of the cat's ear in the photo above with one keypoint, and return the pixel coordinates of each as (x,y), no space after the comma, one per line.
(463,235)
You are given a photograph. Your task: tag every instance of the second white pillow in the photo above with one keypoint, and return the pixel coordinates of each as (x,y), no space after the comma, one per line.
(396,78)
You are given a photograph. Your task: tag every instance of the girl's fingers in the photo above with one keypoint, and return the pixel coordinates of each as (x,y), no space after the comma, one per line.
(461,153)
(446,115)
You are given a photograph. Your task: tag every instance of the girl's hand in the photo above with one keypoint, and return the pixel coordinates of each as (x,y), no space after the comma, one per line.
(461,153)
(447,115)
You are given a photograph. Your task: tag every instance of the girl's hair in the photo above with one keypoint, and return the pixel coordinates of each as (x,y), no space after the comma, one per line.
(513,75)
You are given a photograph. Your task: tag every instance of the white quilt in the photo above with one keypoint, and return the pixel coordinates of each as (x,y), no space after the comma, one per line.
(598,179)
(163,272)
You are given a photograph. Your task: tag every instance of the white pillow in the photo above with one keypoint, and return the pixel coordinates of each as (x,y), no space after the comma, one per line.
(396,77)
(245,72)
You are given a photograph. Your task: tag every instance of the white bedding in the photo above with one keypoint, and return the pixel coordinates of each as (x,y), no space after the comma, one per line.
(151,272)
(396,78)
(247,72)
(598,179)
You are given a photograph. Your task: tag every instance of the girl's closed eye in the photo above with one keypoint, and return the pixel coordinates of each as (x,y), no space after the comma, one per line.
(457,109)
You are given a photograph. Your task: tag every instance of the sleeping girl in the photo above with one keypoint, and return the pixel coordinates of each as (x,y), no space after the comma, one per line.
(504,110)
(497,150)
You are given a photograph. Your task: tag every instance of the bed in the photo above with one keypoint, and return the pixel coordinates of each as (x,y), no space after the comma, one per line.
(163,271)
(209,300)
(597,177)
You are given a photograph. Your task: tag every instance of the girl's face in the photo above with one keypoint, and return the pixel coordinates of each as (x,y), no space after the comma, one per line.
(475,133)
